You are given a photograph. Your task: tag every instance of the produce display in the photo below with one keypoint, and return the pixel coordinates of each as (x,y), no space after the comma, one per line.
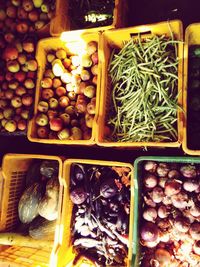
(67,103)
(38,204)
(20,21)
(193,100)
(144,90)
(170,219)
(100,216)
(91,13)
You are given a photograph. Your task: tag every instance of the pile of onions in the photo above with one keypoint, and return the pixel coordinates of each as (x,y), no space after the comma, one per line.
(170,223)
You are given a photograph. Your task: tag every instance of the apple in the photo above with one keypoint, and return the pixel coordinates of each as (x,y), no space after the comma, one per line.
(43,16)
(13,84)
(47,93)
(61,53)
(13,66)
(27,100)
(56,124)
(2,15)
(81,106)
(10,53)
(11,11)
(28,46)
(50,57)
(20,76)
(9,76)
(43,106)
(1,115)
(2,95)
(39,24)
(24,114)
(64,134)
(86,61)
(74,123)
(9,37)
(89,120)
(16,102)
(53,135)
(45,8)
(8,113)
(46,82)
(53,103)
(66,62)
(27,5)
(42,132)
(87,134)
(52,114)
(10,126)
(29,83)
(60,91)
(64,101)
(49,74)
(24,68)
(94,69)
(91,47)
(70,110)
(94,58)
(91,108)
(18,111)
(21,13)
(56,82)
(4,85)
(21,125)
(72,95)
(9,93)
(22,59)
(66,77)
(3,122)
(33,15)
(65,118)
(76,133)
(94,80)
(22,27)
(16,2)
(89,91)
(37,3)
(8,22)
(85,75)
(20,91)
(41,119)
(32,65)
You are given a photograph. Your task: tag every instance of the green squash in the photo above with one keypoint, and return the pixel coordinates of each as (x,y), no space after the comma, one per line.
(41,228)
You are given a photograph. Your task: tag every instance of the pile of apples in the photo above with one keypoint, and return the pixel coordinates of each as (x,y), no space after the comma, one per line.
(67,104)
(17,84)
(24,16)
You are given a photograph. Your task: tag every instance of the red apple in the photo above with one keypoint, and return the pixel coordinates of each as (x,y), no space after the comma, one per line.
(31,74)
(10,53)
(20,91)
(27,100)
(2,15)
(21,13)
(47,93)
(42,132)
(46,82)
(21,125)
(56,124)
(20,76)
(27,5)
(64,101)
(33,15)
(22,27)
(52,114)
(13,66)
(56,82)
(9,76)
(9,37)
(11,11)
(32,65)
(28,46)
(9,93)
(22,58)
(60,91)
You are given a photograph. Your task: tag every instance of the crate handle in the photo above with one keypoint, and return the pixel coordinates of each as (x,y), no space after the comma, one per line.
(141,33)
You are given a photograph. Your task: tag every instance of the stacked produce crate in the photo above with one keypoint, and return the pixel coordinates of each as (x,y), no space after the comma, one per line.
(77,79)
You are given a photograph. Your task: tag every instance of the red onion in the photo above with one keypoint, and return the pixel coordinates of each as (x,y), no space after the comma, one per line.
(150,181)
(195,230)
(149,202)
(150,214)
(182,224)
(180,200)
(164,224)
(190,185)
(173,174)
(162,169)
(195,211)
(154,263)
(162,212)
(196,247)
(188,171)
(163,256)
(147,244)
(172,187)
(149,232)
(150,166)
(157,194)
(162,181)
(167,200)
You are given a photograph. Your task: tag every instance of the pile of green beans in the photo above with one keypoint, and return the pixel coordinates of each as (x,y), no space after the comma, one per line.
(144,80)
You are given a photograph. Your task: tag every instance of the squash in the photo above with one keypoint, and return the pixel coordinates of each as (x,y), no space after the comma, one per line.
(41,228)
(33,174)
(49,168)
(48,207)
(29,202)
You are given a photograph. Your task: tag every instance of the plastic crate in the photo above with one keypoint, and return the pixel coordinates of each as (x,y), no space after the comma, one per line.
(63,254)
(14,169)
(73,42)
(114,39)
(192,37)
(138,194)
(61,22)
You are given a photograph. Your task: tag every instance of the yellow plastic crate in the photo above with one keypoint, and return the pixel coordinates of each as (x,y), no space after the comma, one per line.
(114,39)
(14,169)
(61,22)
(63,255)
(73,42)
(192,37)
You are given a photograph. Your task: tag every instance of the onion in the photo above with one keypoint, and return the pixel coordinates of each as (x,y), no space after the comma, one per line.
(172,187)
(167,200)
(196,247)
(150,166)
(162,169)
(162,181)
(150,181)
(162,255)
(157,194)
(182,224)
(149,202)
(150,214)
(149,232)
(190,185)
(188,171)
(195,230)
(180,200)
(149,244)
(162,212)
(164,224)
(195,211)
(173,174)
(154,263)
